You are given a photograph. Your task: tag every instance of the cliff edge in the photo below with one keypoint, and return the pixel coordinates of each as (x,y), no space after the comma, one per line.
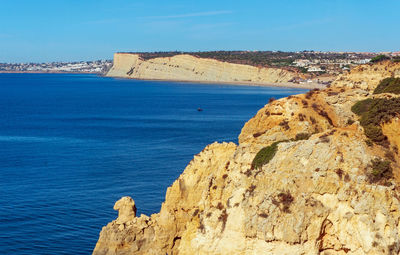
(307,177)
(189,68)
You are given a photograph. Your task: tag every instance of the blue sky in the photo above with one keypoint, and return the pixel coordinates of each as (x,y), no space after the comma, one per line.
(67,30)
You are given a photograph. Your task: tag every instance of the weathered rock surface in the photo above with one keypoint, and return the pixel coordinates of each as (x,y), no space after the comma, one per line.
(190,68)
(313,197)
(391,130)
(126,210)
(367,77)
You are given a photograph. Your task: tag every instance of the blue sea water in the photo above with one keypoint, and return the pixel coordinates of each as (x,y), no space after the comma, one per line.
(72,145)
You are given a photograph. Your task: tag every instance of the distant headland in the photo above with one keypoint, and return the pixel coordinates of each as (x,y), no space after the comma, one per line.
(306,69)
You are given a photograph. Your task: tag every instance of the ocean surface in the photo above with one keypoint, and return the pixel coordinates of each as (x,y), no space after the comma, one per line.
(72,145)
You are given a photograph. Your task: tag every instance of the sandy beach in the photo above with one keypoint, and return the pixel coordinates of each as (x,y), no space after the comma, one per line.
(306,85)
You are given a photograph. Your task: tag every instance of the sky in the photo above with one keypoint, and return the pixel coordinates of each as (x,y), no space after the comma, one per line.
(74,30)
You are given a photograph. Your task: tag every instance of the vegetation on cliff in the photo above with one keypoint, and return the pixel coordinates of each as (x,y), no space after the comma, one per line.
(361,106)
(380,170)
(373,113)
(379,58)
(388,85)
(254,58)
(264,156)
(325,184)
(277,59)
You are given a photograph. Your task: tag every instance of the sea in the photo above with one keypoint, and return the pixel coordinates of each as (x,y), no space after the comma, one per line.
(71,145)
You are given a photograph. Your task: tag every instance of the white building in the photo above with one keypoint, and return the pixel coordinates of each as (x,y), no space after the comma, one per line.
(314,69)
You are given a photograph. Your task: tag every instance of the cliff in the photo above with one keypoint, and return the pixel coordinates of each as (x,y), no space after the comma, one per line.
(322,187)
(367,77)
(190,68)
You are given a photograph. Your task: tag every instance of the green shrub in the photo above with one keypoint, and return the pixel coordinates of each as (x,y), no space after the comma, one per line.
(303,69)
(380,170)
(379,58)
(264,156)
(374,132)
(361,106)
(267,153)
(388,85)
(373,113)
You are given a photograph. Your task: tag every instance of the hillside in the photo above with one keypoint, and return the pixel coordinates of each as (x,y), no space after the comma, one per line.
(190,68)
(268,58)
(316,173)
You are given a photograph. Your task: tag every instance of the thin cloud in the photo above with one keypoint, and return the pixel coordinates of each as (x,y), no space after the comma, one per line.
(303,25)
(212,26)
(189,15)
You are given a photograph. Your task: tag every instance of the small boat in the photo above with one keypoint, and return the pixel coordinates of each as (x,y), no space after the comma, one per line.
(199,109)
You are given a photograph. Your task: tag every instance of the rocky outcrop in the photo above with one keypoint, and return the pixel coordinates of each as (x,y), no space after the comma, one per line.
(126,210)
(315,196)
(190,68)
(391,130)
(367,77)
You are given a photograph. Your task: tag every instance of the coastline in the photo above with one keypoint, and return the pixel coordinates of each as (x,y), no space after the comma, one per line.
(312,85)
(220,198)
(50,72)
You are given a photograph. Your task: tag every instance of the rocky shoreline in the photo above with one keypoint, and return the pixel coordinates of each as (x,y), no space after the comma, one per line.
(307,177)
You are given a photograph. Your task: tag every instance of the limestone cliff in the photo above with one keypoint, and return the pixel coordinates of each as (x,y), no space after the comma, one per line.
(367,77)
(315,196)
(190,68)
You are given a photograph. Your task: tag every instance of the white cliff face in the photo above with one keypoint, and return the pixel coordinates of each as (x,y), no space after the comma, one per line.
(190,68)
(313,197)
(123,63)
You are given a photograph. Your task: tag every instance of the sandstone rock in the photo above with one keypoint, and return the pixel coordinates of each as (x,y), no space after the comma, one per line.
(392,131)
(313,197)
(126,210)
(190,68)
(367,77)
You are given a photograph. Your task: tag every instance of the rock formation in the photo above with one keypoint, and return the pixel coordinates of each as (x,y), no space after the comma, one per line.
(367,77)
(315,196)
(190,68)
(126,210)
